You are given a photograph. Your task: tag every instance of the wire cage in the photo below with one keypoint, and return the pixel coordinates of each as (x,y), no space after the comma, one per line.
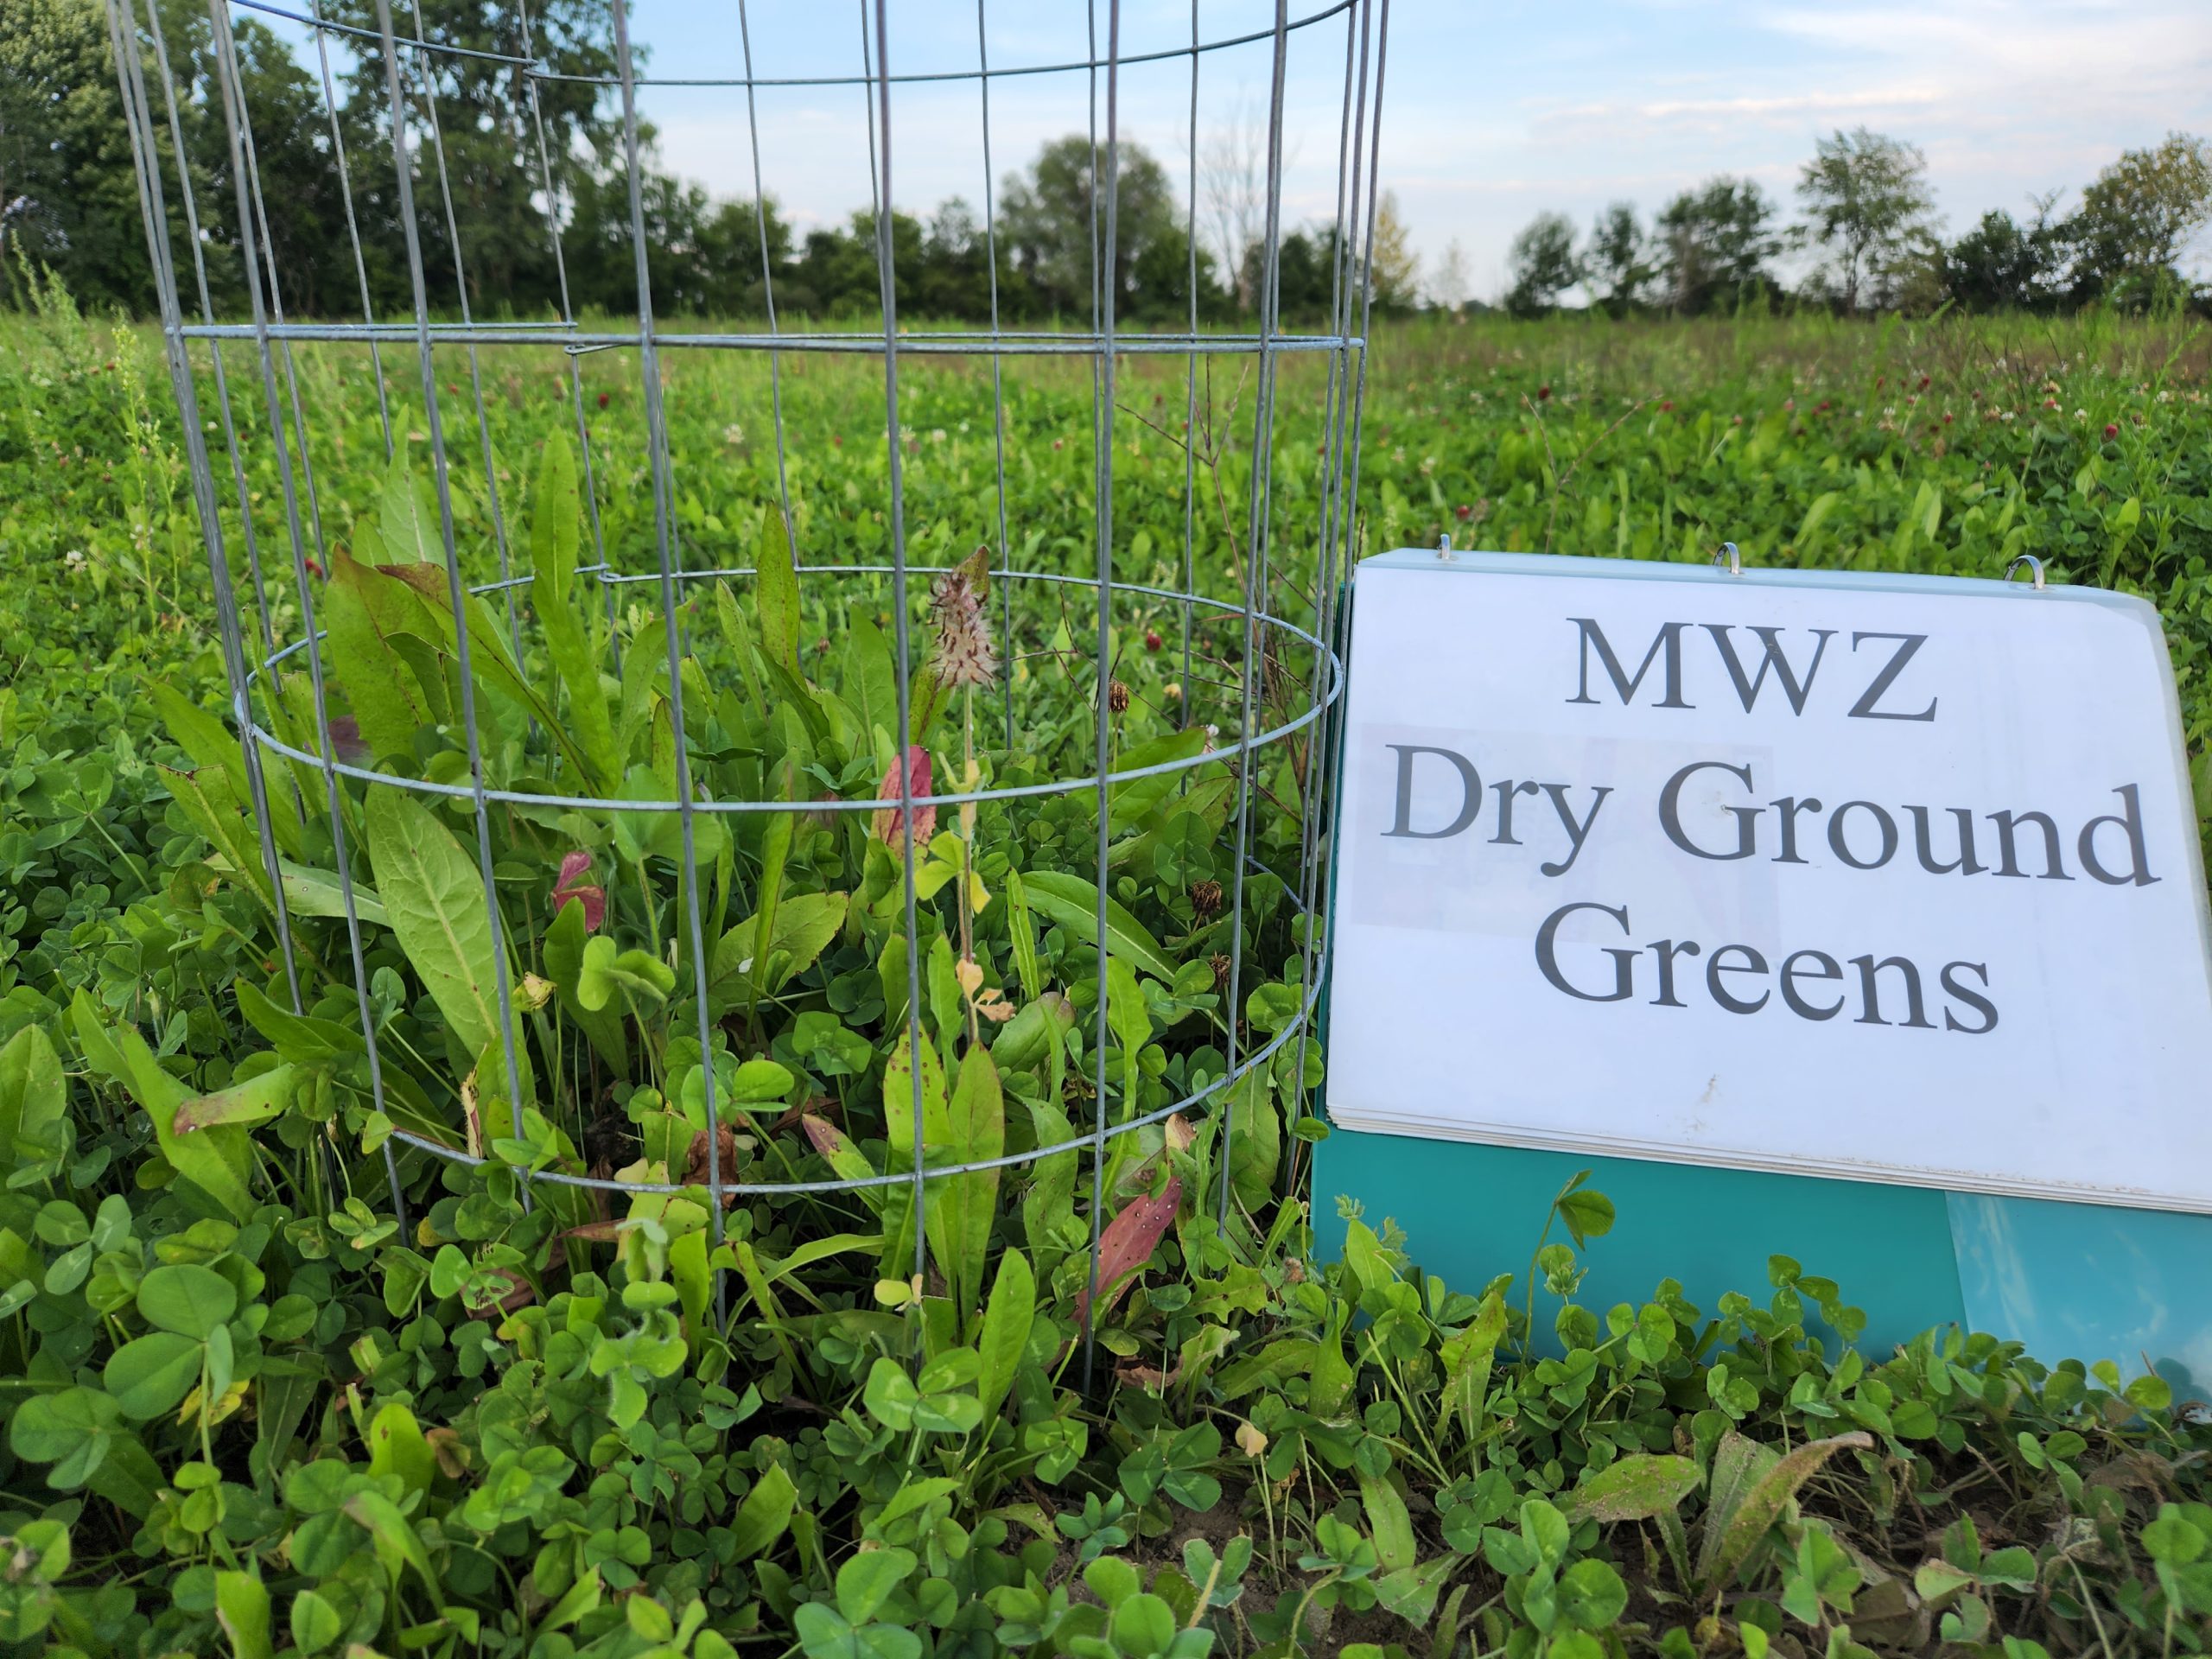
(1254,632)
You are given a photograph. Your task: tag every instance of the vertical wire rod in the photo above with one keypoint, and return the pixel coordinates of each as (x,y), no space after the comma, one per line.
(767,283)
(153,206)
(1256,569)
(1313,797)
(568,319)
(888,280)
(1191,392)
(353,225)
(1349,525)
(426,61)
(166,262)
(664,499)
(1104,281)
(235,115)
(403,173)
(998,366)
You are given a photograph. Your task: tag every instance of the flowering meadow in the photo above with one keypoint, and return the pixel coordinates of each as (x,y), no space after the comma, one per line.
(250,1406)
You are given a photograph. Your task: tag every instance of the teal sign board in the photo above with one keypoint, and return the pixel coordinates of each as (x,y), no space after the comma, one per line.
(1856,919)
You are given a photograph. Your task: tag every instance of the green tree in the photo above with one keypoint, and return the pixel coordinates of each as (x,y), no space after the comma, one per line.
(1617,259)
(1396,266)
(485,129)
(1543,264)
(1714,243)
(1052,217)
(2003,265)
(2138,217)
(67,200)
(68,189)
(1867,204)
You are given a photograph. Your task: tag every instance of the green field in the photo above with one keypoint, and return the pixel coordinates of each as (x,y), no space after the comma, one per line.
(248,1411)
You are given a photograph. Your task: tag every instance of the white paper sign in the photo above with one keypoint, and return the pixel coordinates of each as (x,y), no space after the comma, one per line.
(1889,878)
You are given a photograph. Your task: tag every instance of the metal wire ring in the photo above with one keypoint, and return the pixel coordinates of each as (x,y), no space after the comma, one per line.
(1298,1022)
(1730,558)
(269,741)
(2033,563)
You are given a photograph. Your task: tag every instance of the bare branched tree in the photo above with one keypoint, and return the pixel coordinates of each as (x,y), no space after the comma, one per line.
(1232,190)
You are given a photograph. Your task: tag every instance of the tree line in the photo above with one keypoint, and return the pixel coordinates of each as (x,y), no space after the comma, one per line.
(1868,239)
(68,199)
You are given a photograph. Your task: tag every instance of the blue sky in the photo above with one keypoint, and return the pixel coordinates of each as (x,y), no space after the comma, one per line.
(1493,111)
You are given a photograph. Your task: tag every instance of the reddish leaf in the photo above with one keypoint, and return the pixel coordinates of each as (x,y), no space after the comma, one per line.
(346,742)
(574,867)
(1128,1242)
(827,1141)
(886,821)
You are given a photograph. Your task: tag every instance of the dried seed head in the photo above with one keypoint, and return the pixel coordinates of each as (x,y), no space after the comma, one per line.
(1117,697)
(964,654)
(1205,899)
(1220,964)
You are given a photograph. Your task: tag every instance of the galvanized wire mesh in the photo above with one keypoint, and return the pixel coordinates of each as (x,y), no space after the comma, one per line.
(1284,615)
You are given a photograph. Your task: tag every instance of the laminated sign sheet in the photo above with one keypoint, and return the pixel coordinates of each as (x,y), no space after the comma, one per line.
(1889,878)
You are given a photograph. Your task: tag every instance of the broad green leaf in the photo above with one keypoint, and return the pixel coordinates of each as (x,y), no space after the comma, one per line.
(242,1609)
(151,1375)
(1753,1497)
(775,851)
(316,892)
(899,1081)
(491,657)
(1129,801)
(1391,1527)
(218,1160)
(1256,1139)
(255,1101)
(1007,1324)
(33,1096)
(804,924)
(1591,1594)
(1410,1593)
(766,1513)
(962,1207)
(581,1598)
(1633,1488)
(186,1297)
(553,542)
(301,1039)
(1072,903)
(407,516)
(397,1542)
(688,1272)
(397,1447)
(775,579)
(315,1621)
(1024,930)
(867,1580)
(870,681)
(1588,1214)
(1822,506)
(72,1430)
(890,1395)
(227,825)
(435,897)
(382,682)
